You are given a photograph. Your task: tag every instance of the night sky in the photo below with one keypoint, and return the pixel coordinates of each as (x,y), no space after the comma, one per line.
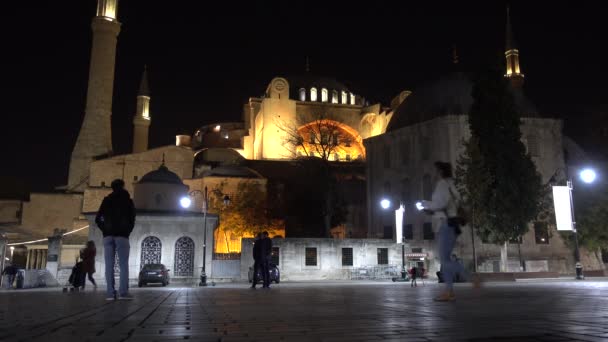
(205,60)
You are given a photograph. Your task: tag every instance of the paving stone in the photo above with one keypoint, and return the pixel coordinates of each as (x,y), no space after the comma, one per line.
(356,311)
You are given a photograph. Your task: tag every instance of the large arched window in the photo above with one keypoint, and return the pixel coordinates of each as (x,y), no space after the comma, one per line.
(344,97)
(352,98)
(334,96)
(313,94)
(324,95)
(151,249)
(184,257)
(302,94)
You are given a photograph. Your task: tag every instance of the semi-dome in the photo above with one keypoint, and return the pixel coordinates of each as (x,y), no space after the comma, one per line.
(450,95)
(161,175)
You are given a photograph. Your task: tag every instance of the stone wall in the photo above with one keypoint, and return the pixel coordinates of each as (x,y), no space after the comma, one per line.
(168,228)
(329,266)
(45,212)
(10,211)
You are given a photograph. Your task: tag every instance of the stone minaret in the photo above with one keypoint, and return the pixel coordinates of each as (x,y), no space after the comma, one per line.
(141,121)
(95,136)
(512,54)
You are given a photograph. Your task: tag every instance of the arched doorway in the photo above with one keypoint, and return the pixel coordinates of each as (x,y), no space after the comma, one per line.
(184,257)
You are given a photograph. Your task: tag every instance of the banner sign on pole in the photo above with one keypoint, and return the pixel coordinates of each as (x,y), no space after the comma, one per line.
(563,207)
(399,224)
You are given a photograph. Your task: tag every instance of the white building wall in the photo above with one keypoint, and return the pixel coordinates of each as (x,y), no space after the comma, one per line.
(329,258)
(447,135)
(168,228)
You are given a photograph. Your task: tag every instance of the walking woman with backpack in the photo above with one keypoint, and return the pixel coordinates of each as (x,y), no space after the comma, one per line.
(444,207)
(88,260)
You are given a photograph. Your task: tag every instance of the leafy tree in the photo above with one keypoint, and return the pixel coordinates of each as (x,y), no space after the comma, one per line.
(499,177)
(591,209)
(246,215)
(318,135)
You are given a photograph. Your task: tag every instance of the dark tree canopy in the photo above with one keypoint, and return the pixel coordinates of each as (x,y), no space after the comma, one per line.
(498,177)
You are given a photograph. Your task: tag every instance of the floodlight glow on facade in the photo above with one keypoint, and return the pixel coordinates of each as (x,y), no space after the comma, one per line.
(185,202)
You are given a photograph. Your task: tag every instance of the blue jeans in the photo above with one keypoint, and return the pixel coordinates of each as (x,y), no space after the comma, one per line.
(119,245)
(449,267)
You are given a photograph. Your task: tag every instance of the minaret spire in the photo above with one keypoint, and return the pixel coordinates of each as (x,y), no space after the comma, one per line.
(144,89)
(95,136)
(513,71)
(142,120)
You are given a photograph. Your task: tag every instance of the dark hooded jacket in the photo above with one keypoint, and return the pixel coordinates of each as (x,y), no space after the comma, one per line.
(116,216)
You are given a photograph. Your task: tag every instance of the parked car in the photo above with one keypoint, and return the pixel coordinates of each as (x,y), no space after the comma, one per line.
(153,273)
(275,275)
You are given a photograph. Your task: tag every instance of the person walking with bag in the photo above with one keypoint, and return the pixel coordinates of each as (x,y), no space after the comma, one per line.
(116,219)
(88,260)
(444,208)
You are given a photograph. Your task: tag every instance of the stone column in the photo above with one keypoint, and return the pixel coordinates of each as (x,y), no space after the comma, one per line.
(54,253)
(3,248)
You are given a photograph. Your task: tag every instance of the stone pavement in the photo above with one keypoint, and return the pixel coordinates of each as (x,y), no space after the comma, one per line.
(354,311)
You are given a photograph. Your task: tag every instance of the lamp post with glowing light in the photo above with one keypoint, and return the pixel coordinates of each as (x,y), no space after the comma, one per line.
(588,176)
(185,203)
(399,238)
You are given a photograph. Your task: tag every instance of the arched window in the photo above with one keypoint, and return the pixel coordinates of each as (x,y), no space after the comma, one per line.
(344,97)
(427,187)
(533,148)
(151,249)
(184,257)
(324,95)
(313,94)
(334,96)
(352,98)
(302,94)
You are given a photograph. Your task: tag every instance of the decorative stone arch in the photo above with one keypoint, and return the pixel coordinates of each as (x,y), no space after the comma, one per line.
(356,141)
(183,262)
(151,251)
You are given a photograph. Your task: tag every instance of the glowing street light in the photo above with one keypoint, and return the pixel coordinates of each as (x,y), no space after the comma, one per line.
(385,203)
(587,175)
(185,202)
(564,209)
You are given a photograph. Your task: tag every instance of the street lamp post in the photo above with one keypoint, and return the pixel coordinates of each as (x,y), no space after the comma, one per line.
(185,203)
(386,204)
(588,176)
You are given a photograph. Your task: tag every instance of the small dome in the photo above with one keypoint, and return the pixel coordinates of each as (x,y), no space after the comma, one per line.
(450,95)
(161,175)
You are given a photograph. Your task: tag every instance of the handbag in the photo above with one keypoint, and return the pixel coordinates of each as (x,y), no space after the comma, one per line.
(462,214)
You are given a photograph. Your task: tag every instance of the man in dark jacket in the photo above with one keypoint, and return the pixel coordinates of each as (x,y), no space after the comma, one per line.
(266,254)
(116,219)
(257,258)
(11,272)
